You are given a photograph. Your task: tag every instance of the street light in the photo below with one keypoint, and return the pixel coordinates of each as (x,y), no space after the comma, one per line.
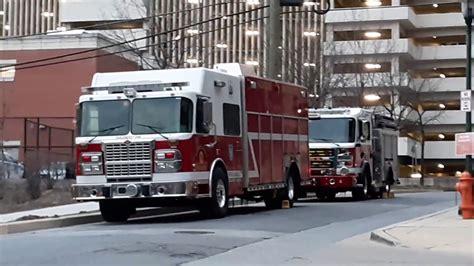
(372,97)
(468,12)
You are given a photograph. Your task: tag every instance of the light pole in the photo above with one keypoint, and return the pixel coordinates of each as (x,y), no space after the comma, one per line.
(468,12)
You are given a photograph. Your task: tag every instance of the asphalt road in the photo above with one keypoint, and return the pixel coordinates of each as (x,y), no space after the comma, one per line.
(259,236)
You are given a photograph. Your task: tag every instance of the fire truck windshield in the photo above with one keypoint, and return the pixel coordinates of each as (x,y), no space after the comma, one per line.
(337,130)
(96,117)
(142,116)
(165,115)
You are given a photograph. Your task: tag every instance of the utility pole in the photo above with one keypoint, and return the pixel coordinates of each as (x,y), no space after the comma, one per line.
(273,41)
(468,12)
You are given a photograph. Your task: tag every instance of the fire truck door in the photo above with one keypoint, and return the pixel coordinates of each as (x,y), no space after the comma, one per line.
(377,159)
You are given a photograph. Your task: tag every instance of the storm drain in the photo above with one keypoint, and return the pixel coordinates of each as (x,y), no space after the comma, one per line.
(194,232)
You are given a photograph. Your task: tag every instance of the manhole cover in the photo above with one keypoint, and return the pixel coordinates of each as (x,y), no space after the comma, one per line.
(194,232)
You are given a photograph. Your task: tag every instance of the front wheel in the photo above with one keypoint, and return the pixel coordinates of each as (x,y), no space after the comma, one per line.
(362,192)
(217,206)
(115,211)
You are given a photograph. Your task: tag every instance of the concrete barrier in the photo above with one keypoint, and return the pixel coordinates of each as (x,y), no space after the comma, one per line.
(445,183)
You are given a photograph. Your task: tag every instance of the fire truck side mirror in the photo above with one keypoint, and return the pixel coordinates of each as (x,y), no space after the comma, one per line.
(207,116)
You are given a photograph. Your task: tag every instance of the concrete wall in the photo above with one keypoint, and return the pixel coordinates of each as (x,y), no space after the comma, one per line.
(435,182)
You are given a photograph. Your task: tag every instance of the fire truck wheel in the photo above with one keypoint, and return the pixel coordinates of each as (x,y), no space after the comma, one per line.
(273,201)
(362,193)
(290,190)
(115,211)
(216,206)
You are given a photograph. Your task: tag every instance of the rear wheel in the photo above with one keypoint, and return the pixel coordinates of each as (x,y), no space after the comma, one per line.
(275,200)
(290,190)
(115,211)
(217,206)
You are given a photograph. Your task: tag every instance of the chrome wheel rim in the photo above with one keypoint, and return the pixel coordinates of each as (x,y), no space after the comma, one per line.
(220,194)
(291,189)
(366,187)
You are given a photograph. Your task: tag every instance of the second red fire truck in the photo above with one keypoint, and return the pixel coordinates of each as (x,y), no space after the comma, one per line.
(190,136)
(352,149)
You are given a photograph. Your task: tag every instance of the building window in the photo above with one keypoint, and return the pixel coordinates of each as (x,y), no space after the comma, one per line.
(231,119)
(7,72)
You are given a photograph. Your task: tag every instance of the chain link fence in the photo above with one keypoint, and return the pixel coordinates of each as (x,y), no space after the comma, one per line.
(46,147)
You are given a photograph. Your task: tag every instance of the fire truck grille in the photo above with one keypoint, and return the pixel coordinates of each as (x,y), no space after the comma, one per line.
(128,162)
(321,158)
(131,170)
(322,164)
(321,152)
(128,152)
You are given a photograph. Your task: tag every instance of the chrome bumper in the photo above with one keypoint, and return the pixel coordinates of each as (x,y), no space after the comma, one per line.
(188,189)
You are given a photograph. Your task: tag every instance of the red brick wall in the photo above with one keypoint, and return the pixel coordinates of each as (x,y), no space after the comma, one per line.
(49,92)
(52,91)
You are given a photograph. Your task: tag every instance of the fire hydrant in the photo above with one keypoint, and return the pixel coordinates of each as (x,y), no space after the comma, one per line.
(465,187)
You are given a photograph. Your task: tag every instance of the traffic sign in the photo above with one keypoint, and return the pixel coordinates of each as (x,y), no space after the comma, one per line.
(464,144)
(466,101)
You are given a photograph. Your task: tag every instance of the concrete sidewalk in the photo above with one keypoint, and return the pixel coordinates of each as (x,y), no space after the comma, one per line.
(52,212)
(444,231)
(436,239)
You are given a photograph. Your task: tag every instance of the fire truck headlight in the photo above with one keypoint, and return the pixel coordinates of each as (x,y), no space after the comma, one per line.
(167,161)
(91,164)
(344,171)
(92,169)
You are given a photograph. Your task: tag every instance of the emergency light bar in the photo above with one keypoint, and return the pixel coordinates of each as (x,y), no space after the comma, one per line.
(174,86)
(329,112)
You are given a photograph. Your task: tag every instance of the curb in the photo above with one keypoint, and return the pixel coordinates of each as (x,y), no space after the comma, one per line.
(48,223)
(381,236)
(65,221)
(417,191)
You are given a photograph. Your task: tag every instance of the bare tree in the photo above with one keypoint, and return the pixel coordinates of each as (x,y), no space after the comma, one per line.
(162,50)
(418,101)
(358,69)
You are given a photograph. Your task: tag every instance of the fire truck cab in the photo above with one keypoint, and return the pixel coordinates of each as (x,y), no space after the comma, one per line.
(190,136)
(352,149)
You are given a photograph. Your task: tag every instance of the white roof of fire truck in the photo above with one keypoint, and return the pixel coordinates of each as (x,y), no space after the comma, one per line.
(223,79)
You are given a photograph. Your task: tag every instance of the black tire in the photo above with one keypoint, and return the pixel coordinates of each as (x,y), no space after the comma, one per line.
(288,193)
(291,190)
(271,202)
(115,211)
(390,180)
(362,193)
(218,205)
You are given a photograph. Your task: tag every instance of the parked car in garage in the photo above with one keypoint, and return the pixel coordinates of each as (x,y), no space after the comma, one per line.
(10,167)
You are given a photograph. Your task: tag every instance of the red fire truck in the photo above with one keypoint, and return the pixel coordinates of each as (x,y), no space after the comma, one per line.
(190,136)
(352,149)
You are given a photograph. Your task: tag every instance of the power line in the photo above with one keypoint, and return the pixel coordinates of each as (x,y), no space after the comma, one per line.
(115,22)
(137,48)
(133,40)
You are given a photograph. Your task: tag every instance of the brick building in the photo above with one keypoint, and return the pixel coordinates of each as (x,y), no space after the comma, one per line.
(37,105)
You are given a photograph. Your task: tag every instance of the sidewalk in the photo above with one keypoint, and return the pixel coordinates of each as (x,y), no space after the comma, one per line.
(441,238)
(443,231)
(58,211)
